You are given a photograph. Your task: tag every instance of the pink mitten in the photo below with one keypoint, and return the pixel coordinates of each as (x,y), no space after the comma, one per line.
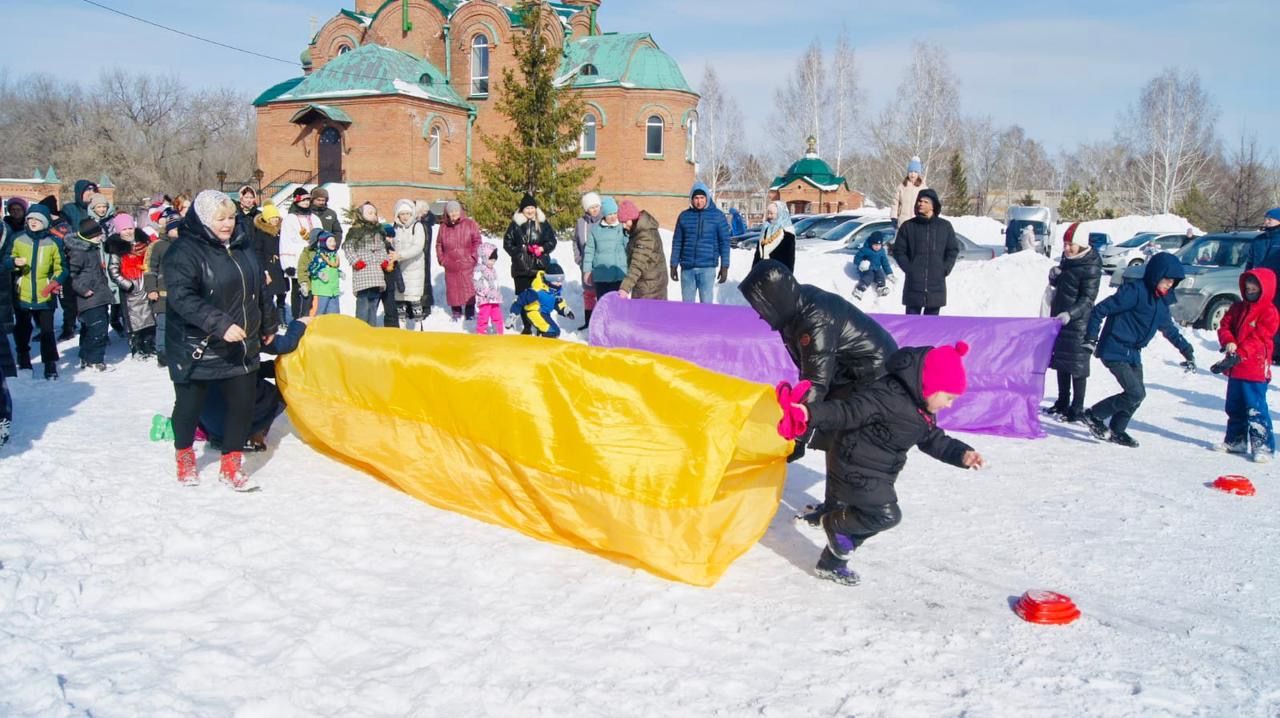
(793,421)
(535,250)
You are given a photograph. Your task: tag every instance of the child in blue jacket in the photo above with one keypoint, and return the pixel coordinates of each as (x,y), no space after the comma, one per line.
(1133,315)
(537,303)
(872,261)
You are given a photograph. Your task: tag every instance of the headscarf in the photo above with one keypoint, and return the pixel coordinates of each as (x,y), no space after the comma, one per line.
(206,205)
(406,205)
(773,231)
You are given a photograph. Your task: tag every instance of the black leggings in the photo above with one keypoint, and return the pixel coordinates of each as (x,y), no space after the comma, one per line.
(239,393)
(927,311)
(1071,386)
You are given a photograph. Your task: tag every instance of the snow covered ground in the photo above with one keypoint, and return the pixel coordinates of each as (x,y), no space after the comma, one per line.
(330,593)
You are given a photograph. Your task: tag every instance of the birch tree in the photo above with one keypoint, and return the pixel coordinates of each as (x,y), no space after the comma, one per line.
(1170,130)
(844,97)
(720,132)
(799,106)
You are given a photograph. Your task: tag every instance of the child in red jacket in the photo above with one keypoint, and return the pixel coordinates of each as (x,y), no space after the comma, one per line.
(1247,333)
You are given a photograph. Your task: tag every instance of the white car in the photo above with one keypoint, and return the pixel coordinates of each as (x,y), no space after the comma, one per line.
(1135,250)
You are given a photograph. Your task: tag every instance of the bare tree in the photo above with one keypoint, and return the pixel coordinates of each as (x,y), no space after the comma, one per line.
(1247,190)
(844,97)
(148,134)
(923,120)
(798,106)
(1170,130)
(720,132)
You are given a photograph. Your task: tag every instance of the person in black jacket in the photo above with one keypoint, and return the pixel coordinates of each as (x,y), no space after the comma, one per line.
(926,249)
(94,292)
(529,240)
(777,237)
(878,426)
(1075,281)
(833,343)
(7,366)
(217,316)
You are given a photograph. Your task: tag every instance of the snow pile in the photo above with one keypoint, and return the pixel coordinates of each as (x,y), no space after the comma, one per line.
(1123,228)
(330,593)
(980,229)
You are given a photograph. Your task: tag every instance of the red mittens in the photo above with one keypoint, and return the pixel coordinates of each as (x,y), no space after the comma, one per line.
(386,266)
(535,250)
(794,422)
(359,265)
(50,288)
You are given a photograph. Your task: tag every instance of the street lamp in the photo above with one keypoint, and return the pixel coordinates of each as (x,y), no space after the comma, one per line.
(222,180)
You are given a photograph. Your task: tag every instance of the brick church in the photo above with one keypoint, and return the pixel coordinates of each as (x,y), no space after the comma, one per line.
(396,94)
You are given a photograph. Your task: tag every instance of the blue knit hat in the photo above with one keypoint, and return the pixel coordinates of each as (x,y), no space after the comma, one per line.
(915,166)
(1273,213)
(608,206)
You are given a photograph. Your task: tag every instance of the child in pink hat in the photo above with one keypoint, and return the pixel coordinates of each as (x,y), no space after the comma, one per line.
(876,428)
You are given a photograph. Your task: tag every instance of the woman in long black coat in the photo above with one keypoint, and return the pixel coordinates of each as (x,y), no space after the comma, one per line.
(1075,282)
(217,314)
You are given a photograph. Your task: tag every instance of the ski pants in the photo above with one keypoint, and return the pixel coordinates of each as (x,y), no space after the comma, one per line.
(1248,418)
(94,324)
(48,339)
(1120,408)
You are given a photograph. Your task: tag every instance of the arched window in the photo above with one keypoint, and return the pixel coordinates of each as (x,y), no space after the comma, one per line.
(587,142)
(693,140)
(425,79)
(589,70)
(344,49)
(433,147)
(653,136)
(480,66)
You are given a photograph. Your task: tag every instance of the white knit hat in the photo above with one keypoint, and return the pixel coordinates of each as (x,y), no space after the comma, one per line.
(589,200)
(207,203)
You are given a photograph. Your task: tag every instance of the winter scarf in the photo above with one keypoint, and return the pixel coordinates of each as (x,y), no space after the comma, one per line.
(773,231)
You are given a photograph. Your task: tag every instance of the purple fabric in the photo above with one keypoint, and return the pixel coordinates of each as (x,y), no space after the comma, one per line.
(1006,363)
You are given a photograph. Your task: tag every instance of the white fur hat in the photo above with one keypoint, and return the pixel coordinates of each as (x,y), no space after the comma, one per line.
(589,200)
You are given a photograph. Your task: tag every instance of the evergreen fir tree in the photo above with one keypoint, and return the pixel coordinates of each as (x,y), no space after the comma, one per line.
(1079,204)
(1197,209)
(957,187)
(536,155)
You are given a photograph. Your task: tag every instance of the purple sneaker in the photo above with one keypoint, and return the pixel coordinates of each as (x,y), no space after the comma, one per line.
(841,545)
(830,568)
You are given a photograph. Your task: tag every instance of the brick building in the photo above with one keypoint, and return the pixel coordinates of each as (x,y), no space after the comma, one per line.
(396,95)
(42,184)
(810,187)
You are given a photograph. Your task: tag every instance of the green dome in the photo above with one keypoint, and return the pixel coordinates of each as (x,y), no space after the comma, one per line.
(305,57)
(811,166)
(811,169)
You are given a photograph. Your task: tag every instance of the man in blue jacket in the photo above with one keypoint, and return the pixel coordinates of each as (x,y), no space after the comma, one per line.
(1133,315)
(1265,254)
(700,244)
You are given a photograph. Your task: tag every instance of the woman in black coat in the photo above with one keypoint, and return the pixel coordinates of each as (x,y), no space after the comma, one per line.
(217,315)
(529,241)
(777,237)
(926,249)
(1075,283)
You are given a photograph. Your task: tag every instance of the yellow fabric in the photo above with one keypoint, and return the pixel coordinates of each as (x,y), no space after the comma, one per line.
(643,459)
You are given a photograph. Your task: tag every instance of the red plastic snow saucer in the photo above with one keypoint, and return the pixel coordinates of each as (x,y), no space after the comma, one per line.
(1046,607)
(1234,484)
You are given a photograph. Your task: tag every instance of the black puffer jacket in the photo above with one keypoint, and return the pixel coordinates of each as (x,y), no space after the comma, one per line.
(1076,289)
(211,287)
(522,234)
(88,270)
(266,244)
(878,426)
(6,281)
(926,250)
(833,343)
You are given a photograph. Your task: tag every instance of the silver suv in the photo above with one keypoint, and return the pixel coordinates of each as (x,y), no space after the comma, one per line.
(1213,264)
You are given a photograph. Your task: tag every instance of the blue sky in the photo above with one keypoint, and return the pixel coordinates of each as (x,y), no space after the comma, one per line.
(1063,70)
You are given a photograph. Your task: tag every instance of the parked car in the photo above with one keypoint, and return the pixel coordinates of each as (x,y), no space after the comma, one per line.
(747,240)
(814,227)
(1213,264)
(1135,250)
(1040,219)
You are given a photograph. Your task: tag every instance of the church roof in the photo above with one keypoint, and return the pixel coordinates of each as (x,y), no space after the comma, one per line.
(813,170)
(621,60)
(366,71)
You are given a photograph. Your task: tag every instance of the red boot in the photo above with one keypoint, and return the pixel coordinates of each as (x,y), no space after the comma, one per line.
(232,474)
(187,474)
